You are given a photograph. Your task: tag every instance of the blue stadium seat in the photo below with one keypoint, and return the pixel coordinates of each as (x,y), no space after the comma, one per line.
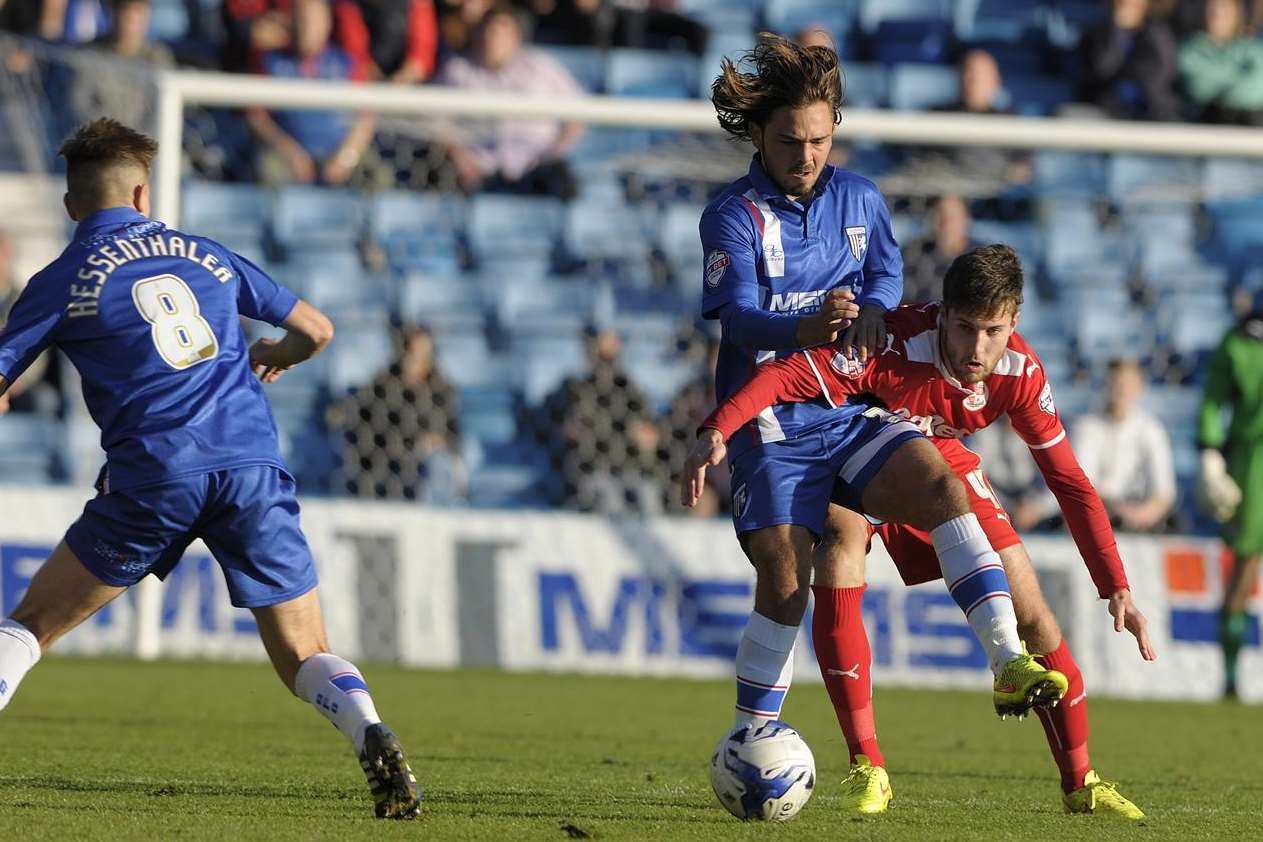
(326,278)
(527,306)
(1152,178)
(544,360)
(465,359)
(168,20)
(1232,178)
(514,225)
(787,17)
(601,143)
(487,412)
(358,355)
(425,298)
(500,486)
(651,73)
(924,41)
(1068,19)
(997,20)
(318,218)
(1060,173)
(867,85)
(1022,236)
(729,44)
(677,233)
(586,64)
(226,212)
(722,15)
(1105,334)
(1035,95)
(30,445)
(1236,230)
(418,230)
(874,12)
(915,87)
(596,230)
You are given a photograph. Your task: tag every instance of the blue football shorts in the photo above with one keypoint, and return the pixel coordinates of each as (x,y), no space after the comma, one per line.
(793,481)
(248,518)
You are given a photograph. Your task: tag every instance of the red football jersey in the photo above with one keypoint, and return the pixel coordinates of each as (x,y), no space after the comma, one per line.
(911,379)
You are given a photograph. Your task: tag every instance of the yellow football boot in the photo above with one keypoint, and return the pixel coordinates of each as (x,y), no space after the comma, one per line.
(866,790)
(1100,798)
(1024,684)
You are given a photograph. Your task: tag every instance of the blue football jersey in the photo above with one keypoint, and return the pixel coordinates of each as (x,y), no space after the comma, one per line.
(149,317)
(766,252)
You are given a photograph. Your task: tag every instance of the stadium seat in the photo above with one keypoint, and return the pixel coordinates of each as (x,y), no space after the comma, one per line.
(873,12)
(1068,19)
(29,448)
(499,486)
(677,232)
(722,15)
(326,278)
(544,360)
(586,64)
(916,87)
(997,20)
(1022,236)
(318,218)
(651,73)
(787,17)
(225,212)
(1060,173)
(487,412)
(514,225)
(465,359)
(1152,178)
(926,41)
(424,298)
(600,144)
(1231,178)
(866,85)
(550,302)
(418,230)
(168,20)
(1036,95)
(596,230)
(1236,230)
(662,380)
(357,356)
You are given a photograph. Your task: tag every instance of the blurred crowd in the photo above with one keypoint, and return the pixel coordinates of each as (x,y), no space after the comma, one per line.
(1164,60)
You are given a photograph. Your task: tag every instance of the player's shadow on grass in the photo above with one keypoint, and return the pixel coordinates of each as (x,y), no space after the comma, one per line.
(181,788)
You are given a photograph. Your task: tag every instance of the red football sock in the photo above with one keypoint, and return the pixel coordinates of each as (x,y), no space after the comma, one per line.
(837,630)
(1066,726)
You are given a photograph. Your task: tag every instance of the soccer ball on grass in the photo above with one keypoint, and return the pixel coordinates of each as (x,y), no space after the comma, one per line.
(763,772)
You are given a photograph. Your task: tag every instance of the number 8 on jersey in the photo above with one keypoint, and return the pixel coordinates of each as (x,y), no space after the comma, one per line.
(183,338)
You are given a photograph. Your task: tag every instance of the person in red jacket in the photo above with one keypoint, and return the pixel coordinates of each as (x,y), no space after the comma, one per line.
(951,368)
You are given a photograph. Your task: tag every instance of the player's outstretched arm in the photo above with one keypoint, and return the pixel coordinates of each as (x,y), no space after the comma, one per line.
(1127,616)
(307,332)
(789,380)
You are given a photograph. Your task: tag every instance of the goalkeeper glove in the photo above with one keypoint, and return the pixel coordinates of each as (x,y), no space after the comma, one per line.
(1217,493)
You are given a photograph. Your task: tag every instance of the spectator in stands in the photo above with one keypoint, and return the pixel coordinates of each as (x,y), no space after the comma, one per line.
(983,170)
(1222,68)
(330,147)
(458,20)
(925,259)
(399,37)
(98,93)
(602,438)
(401,432)
(1127,454)
(642,24)
(688,410)
(513,155)
(251,28)
(1128,65)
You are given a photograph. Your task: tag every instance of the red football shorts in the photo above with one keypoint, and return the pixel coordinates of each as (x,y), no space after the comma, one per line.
(912,549)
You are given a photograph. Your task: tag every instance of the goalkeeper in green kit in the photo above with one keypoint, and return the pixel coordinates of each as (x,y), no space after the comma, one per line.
(1230,487)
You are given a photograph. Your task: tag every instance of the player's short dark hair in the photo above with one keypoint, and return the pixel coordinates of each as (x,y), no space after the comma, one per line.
(984,281)
(97,149)
(784,73)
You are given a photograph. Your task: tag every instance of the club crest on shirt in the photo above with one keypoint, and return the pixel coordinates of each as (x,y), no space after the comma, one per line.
(846,366)
(1046,400)
(977,400)
(857,236)
(716,262)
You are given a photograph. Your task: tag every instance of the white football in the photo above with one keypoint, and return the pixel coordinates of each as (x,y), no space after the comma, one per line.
(763,772)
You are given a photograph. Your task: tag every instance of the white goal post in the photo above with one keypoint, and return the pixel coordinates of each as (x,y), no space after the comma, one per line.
(180,89)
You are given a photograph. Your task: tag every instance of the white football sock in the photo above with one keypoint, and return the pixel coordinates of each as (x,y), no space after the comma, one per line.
(975,577)
(19,651)
(765,667)
(338,692)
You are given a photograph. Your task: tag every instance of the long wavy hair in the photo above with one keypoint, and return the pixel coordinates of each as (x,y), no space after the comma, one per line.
(784,74)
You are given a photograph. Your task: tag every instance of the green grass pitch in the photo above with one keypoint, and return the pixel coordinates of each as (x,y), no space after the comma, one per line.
(112,749)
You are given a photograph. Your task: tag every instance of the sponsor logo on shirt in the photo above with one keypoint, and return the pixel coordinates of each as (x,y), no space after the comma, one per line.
(774,260)
(931,425)
(1046,400)
(796,302)
(716,264)
(857,236)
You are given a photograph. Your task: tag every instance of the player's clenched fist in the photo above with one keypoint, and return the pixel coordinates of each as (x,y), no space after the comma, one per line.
(836,312)
(709,450)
